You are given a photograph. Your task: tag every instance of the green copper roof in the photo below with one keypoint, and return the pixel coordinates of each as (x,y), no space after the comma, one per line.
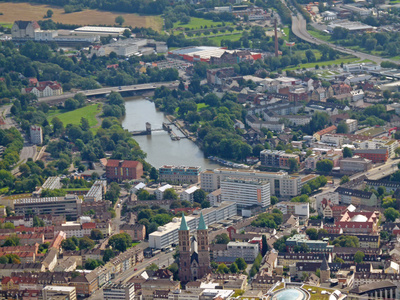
(202,224)
(184,225)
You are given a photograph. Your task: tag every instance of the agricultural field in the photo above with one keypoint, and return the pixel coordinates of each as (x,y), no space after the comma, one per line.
(28,11)
(74,116)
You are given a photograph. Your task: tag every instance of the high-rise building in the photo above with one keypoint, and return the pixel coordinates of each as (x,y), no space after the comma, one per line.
(36,134)
(246,192)
(194,255)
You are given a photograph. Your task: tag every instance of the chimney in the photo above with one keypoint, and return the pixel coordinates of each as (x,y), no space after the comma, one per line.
(276,39)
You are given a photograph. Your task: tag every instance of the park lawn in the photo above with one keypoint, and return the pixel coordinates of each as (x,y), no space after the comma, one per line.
(345,60)
(196,23)
(286,30)
(201,106)
(230,37)
(74,117)
(29,11)
(135,244)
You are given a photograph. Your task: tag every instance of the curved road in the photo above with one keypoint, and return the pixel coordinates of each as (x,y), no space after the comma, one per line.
(299,28)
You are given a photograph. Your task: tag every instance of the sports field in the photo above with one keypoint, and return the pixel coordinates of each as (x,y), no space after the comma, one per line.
(28,11)
(74,116)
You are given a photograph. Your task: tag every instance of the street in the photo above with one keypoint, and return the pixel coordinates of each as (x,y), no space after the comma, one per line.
(299,28)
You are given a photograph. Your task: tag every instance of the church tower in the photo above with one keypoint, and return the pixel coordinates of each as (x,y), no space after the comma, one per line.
(184,251)
(203,248)
(325,271)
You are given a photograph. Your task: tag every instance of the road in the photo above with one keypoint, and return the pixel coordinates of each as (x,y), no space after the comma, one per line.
(107,90)
(299,28)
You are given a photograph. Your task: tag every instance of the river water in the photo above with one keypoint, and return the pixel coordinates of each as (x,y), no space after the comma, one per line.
(160,149)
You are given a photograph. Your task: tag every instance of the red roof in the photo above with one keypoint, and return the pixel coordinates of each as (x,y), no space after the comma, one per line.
(88,225)
(122,163)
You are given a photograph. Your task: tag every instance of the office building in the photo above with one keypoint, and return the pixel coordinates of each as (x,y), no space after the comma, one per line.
(246,192)
(167,235)
(36,134)
(114,291)
(97,191)
(120,170)
(245,250)
(355,164)
(375,155)
(53,291)
(281,184)
(179,175)
(69,206)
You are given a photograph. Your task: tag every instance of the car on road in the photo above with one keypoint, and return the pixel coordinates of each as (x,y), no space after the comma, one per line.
(135,269)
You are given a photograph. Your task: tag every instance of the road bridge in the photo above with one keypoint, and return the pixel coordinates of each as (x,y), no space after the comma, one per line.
(108,90)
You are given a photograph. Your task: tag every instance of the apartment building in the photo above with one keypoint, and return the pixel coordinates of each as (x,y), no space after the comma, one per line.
(179,174)
(160,191)
(97,191)
(70,205)
(167,235)
(36,134)
(245,250)
(357,197)
(187,195)
(314,246)
(246,192)
(291,208)
(281,183)
(277,159)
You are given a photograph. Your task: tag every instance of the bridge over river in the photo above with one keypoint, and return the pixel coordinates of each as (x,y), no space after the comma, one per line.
(108,90)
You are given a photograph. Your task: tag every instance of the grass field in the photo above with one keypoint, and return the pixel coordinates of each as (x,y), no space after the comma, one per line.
(320,35)
(27,11)
(196,23)
(74,117)
(6,25)
(345,60)
(230,37)
(201,106)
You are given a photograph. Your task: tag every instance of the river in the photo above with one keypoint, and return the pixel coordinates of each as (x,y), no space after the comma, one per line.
(160,149)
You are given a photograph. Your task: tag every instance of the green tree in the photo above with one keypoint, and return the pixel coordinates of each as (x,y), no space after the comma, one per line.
(11,241)
(119,20)
(293,165)
(347,152)
(358,257)
(49,13)
(241,264)
(312,233)
(108,254)
(391,214)
(154,174)
(121,241)
(96,234)
(264,245)
(233,268)
(37,222)
(199,196)
(152,267)
(170,194)
(325,165)
(86,243)
(222,269)
(344,179)
(342,127)
(222,239)
(68,244)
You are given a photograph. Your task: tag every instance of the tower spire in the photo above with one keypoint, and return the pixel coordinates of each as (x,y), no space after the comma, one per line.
(202,224)
(184,225)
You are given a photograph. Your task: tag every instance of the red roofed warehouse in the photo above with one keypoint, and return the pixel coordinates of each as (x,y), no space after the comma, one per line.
(120,170)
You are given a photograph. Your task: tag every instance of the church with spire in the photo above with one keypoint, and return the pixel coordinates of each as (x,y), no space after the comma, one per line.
(194,255)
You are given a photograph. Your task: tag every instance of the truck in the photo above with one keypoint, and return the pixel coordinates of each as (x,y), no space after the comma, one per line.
(155,252)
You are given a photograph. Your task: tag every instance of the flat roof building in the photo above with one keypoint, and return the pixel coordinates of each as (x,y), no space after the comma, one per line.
(179,174)
(51,291)
(113,291)
(52,183)
(97,191)
(70,205)
(167,235)
(99,30)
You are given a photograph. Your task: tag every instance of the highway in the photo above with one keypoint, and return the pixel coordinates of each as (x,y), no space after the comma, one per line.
(107,90)
(299,28)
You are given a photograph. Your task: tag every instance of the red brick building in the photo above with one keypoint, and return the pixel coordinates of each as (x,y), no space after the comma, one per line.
(120,170)
(376,155)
